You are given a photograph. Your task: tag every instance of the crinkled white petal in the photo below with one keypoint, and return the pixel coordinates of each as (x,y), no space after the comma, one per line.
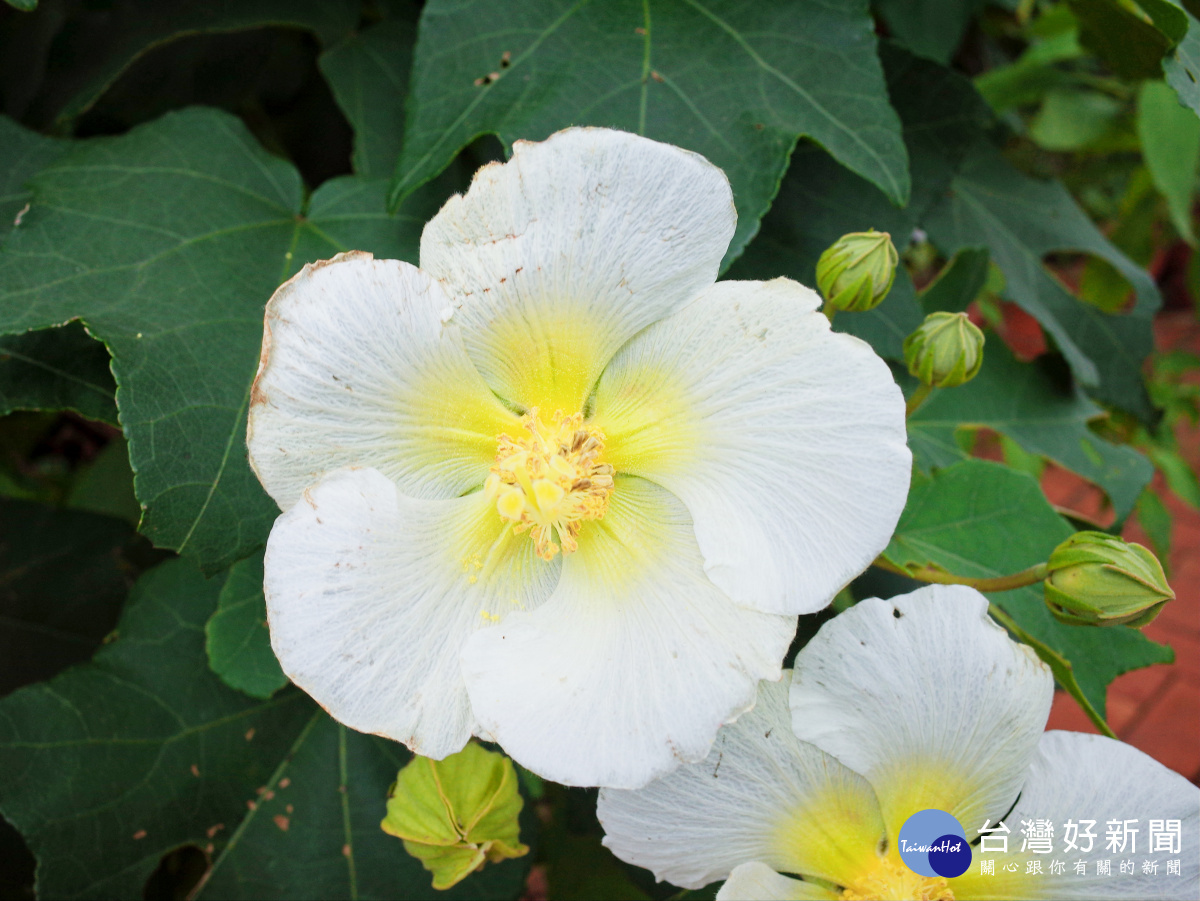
(785,440)
(359,370)
(926,697)
(633,664)
(756,881)
(371,595)
(1089,777)
(760,794)
(557,257)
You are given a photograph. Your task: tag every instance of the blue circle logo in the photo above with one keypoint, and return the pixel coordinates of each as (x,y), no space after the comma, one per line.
(933,843)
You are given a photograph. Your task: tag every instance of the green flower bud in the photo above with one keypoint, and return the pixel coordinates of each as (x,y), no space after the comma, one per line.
(454,815)
(857,270)
(1097,579)
(947,350)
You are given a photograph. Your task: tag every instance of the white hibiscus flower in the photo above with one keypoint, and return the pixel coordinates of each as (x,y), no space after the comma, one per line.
(556,487)
(895,707)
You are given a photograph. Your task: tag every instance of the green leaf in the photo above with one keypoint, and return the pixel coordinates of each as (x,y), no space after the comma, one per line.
(368,73)
(982,520)
(57,369)
(1130,38)
(958,283)
(106,485)
(176,290)
(1027,79)
(1170,138)
(1039,409)
(63,578)
(736,82)
(1020,220)
(315,831)
(1180,476)
(1074,118)
(23,154)
(819,200)
(112,764)
(100,758)
(23,5)
(134,28)
(1155,519)
(929,28)
(1182,67)
(238,641)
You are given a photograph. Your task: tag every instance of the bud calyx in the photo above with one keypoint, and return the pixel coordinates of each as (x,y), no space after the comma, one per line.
(856,271)
(946,351)
(1098,579)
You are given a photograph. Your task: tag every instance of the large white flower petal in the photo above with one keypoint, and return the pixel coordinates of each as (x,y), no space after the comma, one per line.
(756,881)
(358,370)
(557,257)
(1089,777)
(635,661)
(760,795)
(785,440)
(371,594)
(928,698)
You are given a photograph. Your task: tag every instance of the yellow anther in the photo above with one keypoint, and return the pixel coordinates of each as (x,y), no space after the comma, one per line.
(892,879)
(550,480)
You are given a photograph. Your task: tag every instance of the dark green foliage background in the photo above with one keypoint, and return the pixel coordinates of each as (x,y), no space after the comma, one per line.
(164,166)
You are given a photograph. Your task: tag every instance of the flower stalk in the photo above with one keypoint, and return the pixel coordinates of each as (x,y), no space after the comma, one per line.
(918,397)
(1030,576)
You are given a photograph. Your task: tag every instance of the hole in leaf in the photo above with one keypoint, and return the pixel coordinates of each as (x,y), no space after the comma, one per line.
(176,874)
(16,864)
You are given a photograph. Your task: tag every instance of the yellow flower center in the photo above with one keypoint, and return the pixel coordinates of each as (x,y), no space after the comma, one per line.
(550,480)
(891,879)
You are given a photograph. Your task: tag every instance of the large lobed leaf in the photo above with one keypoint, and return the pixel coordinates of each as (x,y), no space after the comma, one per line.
(736,82)
(982,520)
(113,763)
(167,242)
(1038,408)
(1021,220)
(965,195)
(819,200)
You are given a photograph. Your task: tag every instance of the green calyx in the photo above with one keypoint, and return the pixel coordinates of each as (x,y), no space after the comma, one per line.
(1096,579)
(857,270)
(945,351)
(457,814)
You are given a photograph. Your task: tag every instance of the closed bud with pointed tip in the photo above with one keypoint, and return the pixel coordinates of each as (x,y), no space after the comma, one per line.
(857,270)
(946,351)
(1096,579)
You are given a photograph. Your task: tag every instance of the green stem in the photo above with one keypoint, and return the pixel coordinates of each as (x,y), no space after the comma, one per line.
(829,312)
(1020,579)
(917,398)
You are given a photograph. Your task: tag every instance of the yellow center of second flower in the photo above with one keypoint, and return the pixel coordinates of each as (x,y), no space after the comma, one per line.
(892,879)
(550,480)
